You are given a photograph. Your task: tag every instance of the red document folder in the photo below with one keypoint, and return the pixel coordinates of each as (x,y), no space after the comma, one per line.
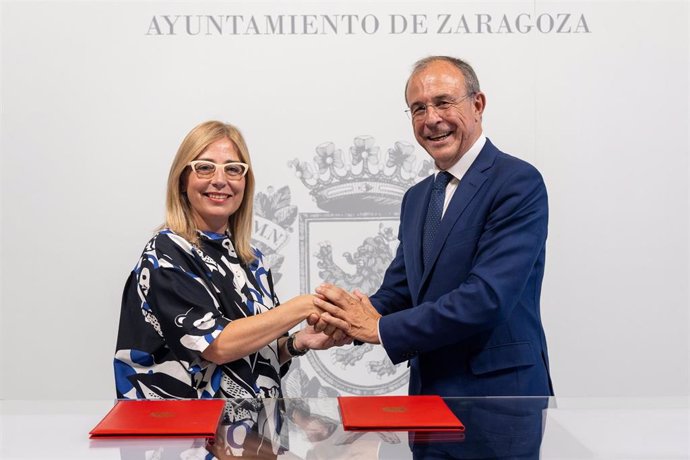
(189,418)
(397,413)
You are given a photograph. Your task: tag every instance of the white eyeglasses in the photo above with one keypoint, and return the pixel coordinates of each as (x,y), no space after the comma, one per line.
(206,169)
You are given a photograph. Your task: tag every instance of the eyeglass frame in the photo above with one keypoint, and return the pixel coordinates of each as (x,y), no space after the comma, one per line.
(411,115)
(245,169)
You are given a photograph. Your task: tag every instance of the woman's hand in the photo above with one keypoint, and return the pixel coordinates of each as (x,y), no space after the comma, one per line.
(308,338)
(305,303)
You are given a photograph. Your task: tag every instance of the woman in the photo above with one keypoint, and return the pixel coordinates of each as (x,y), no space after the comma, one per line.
(199,316)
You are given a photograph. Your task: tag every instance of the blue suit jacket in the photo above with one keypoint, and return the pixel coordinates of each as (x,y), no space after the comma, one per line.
(470,322)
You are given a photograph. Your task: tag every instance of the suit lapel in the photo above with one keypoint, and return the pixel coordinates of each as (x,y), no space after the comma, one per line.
(416,239)
(467,189)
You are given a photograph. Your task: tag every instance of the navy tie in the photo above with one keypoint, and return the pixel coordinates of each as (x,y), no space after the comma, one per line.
(433,214)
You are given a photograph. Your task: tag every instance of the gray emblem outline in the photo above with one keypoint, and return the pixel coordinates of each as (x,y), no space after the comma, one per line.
(323,371)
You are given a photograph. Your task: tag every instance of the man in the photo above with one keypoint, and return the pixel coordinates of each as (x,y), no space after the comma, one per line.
(460,300)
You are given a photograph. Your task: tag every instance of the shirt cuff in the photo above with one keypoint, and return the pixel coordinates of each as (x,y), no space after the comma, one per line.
(378,332)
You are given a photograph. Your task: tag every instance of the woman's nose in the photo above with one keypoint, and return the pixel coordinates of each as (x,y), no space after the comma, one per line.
(219,178)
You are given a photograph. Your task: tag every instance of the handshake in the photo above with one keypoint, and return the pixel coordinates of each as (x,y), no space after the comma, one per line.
(338,317)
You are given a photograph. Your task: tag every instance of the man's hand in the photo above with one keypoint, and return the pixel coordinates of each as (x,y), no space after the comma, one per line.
(351,313)
(322,326)
(308,338)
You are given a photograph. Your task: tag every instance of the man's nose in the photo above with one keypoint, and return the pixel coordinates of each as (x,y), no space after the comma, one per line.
(431,115)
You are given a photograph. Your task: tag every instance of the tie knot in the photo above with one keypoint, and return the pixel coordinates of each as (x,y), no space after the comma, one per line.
(442,179)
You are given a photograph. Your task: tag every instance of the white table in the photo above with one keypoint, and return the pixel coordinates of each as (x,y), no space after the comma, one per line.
(573,428)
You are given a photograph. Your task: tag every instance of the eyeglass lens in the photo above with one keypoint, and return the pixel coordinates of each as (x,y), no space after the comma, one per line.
(206,169)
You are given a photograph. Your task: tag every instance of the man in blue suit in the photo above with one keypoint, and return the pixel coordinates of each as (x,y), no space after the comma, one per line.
(460,300)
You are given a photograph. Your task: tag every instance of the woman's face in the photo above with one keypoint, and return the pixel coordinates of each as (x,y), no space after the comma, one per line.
(215,199)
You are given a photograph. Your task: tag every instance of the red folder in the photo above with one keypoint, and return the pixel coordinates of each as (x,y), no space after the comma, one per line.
(189,418)
(397,413)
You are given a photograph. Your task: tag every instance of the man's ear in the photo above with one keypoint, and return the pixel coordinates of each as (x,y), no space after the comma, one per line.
(479,104)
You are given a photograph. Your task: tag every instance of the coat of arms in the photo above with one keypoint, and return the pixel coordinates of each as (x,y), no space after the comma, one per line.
(352,242)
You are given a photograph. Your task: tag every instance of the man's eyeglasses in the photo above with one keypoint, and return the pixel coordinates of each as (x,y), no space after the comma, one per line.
(419,111)
(206,169)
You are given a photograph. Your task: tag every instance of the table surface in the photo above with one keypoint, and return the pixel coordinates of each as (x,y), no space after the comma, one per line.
(547,428)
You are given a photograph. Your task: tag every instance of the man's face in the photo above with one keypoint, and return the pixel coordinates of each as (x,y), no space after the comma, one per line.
(452,120)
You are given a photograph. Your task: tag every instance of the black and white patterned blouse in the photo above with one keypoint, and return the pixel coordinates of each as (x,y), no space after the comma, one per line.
(176,301)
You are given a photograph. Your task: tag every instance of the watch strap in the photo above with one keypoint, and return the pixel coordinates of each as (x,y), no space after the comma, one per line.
(290,346)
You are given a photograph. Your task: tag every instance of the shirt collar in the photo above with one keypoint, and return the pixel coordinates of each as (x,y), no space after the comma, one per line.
(213,236)
(463,164)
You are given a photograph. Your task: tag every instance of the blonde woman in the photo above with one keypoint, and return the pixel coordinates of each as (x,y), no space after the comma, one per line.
(200,317)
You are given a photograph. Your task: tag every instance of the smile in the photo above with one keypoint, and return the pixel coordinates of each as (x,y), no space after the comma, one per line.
(217,196)
(439,137)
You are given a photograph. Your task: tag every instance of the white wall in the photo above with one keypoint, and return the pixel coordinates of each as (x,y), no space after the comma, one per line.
(93,110)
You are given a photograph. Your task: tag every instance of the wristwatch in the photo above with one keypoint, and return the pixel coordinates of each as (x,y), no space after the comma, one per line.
(290,345)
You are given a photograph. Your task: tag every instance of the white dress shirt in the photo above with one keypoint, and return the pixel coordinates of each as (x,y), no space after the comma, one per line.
(459,169)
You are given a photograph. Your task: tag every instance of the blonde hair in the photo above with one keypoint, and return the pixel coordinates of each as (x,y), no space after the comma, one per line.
(178,211)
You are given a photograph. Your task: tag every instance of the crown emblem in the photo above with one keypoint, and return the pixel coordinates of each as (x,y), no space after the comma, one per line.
(363,180)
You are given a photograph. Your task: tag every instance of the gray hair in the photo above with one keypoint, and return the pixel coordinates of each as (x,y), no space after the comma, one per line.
(471,80)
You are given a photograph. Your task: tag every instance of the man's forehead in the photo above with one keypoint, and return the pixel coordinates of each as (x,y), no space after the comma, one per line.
(437,79)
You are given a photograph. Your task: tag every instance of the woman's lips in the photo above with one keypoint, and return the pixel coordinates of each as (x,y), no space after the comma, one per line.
(218,197)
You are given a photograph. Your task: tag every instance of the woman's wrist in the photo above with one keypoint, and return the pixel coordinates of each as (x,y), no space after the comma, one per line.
(299,342)
(309,307)
(295,345)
